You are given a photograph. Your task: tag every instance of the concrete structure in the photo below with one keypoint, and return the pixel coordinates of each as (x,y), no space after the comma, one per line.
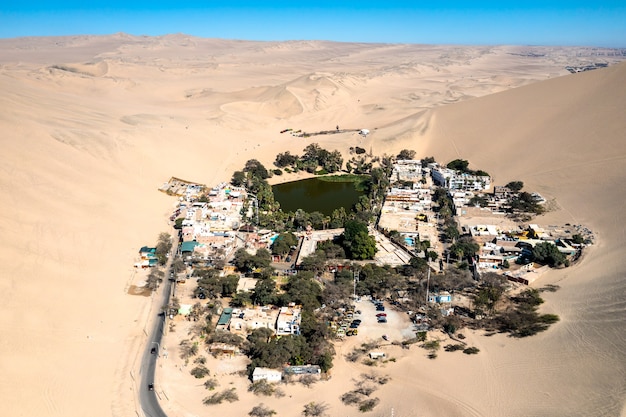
(288,321)
(440,298)
(456,180)
(302,370)
(407,170)
(245,320)
(267,374)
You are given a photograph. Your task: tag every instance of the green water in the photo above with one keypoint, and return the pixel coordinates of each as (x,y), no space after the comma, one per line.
(314,194)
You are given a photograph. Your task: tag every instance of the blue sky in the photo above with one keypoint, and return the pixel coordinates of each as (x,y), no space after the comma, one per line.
(574,22)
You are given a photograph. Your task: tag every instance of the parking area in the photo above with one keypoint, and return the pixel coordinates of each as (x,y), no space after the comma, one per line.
(397,327)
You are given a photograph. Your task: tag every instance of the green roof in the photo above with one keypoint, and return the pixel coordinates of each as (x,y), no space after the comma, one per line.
(225,316)
(188,246)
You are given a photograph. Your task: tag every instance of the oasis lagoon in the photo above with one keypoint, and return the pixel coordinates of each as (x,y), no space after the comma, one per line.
(315,194)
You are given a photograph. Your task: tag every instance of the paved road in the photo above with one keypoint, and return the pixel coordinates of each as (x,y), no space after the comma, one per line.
(148,399)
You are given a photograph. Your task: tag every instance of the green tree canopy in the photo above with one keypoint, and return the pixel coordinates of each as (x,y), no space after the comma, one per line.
(464,248)
(256,169)
(458,164)
(238,179)
(357,242)
(515,186)
(406,154)
(285,159)
(283,243)
(264,292)
(548,253)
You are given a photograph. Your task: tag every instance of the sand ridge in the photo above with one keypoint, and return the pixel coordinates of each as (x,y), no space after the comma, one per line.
(92,125)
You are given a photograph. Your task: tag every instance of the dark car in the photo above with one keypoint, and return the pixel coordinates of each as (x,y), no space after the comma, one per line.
(150,387)
(153,350)
(380,307)
(354,325)
(357,321)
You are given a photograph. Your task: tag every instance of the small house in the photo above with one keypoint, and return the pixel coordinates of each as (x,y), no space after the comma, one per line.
(267,374)
(377,355)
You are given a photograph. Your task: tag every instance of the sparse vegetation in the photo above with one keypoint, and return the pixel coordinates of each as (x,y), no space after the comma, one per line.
(200,371)
(453,348)
(262,387)
(308,380)
(315,409)
(368,405)
(229,395)
(261,410)
(211,384)
(522,319)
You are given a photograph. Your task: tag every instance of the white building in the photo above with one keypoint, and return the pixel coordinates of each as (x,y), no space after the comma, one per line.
(288,321)
(455,180)
(407,170)
(270,375)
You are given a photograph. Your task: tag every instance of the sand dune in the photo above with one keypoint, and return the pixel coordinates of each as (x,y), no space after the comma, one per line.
(92,125)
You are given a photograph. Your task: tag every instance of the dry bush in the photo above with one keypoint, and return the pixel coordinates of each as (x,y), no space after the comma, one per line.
(261,410)
(365,389)
(368,405)
(211,384)
(350,397)
(229,395)
(200,371)
(308,380)
(314,409)
(262,387)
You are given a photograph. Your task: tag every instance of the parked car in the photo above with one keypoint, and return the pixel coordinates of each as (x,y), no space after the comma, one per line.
(382,320)
(381,315)
(380,307)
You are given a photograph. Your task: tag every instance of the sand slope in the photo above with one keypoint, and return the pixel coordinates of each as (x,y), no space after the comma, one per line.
(91,127)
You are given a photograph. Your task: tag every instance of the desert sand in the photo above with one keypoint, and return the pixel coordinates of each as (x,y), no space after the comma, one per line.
(93,125)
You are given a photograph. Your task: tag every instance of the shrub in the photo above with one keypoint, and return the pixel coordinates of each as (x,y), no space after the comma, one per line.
(261,410)
(277,172)
(200,360)
(314,409)
(366,390)
(200,371)
(308,380)
(431,345)
(229,395)
(350,397)
(471,350)
(453,348)
(368,405)
(211,384)
(548,318)
(262,387)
